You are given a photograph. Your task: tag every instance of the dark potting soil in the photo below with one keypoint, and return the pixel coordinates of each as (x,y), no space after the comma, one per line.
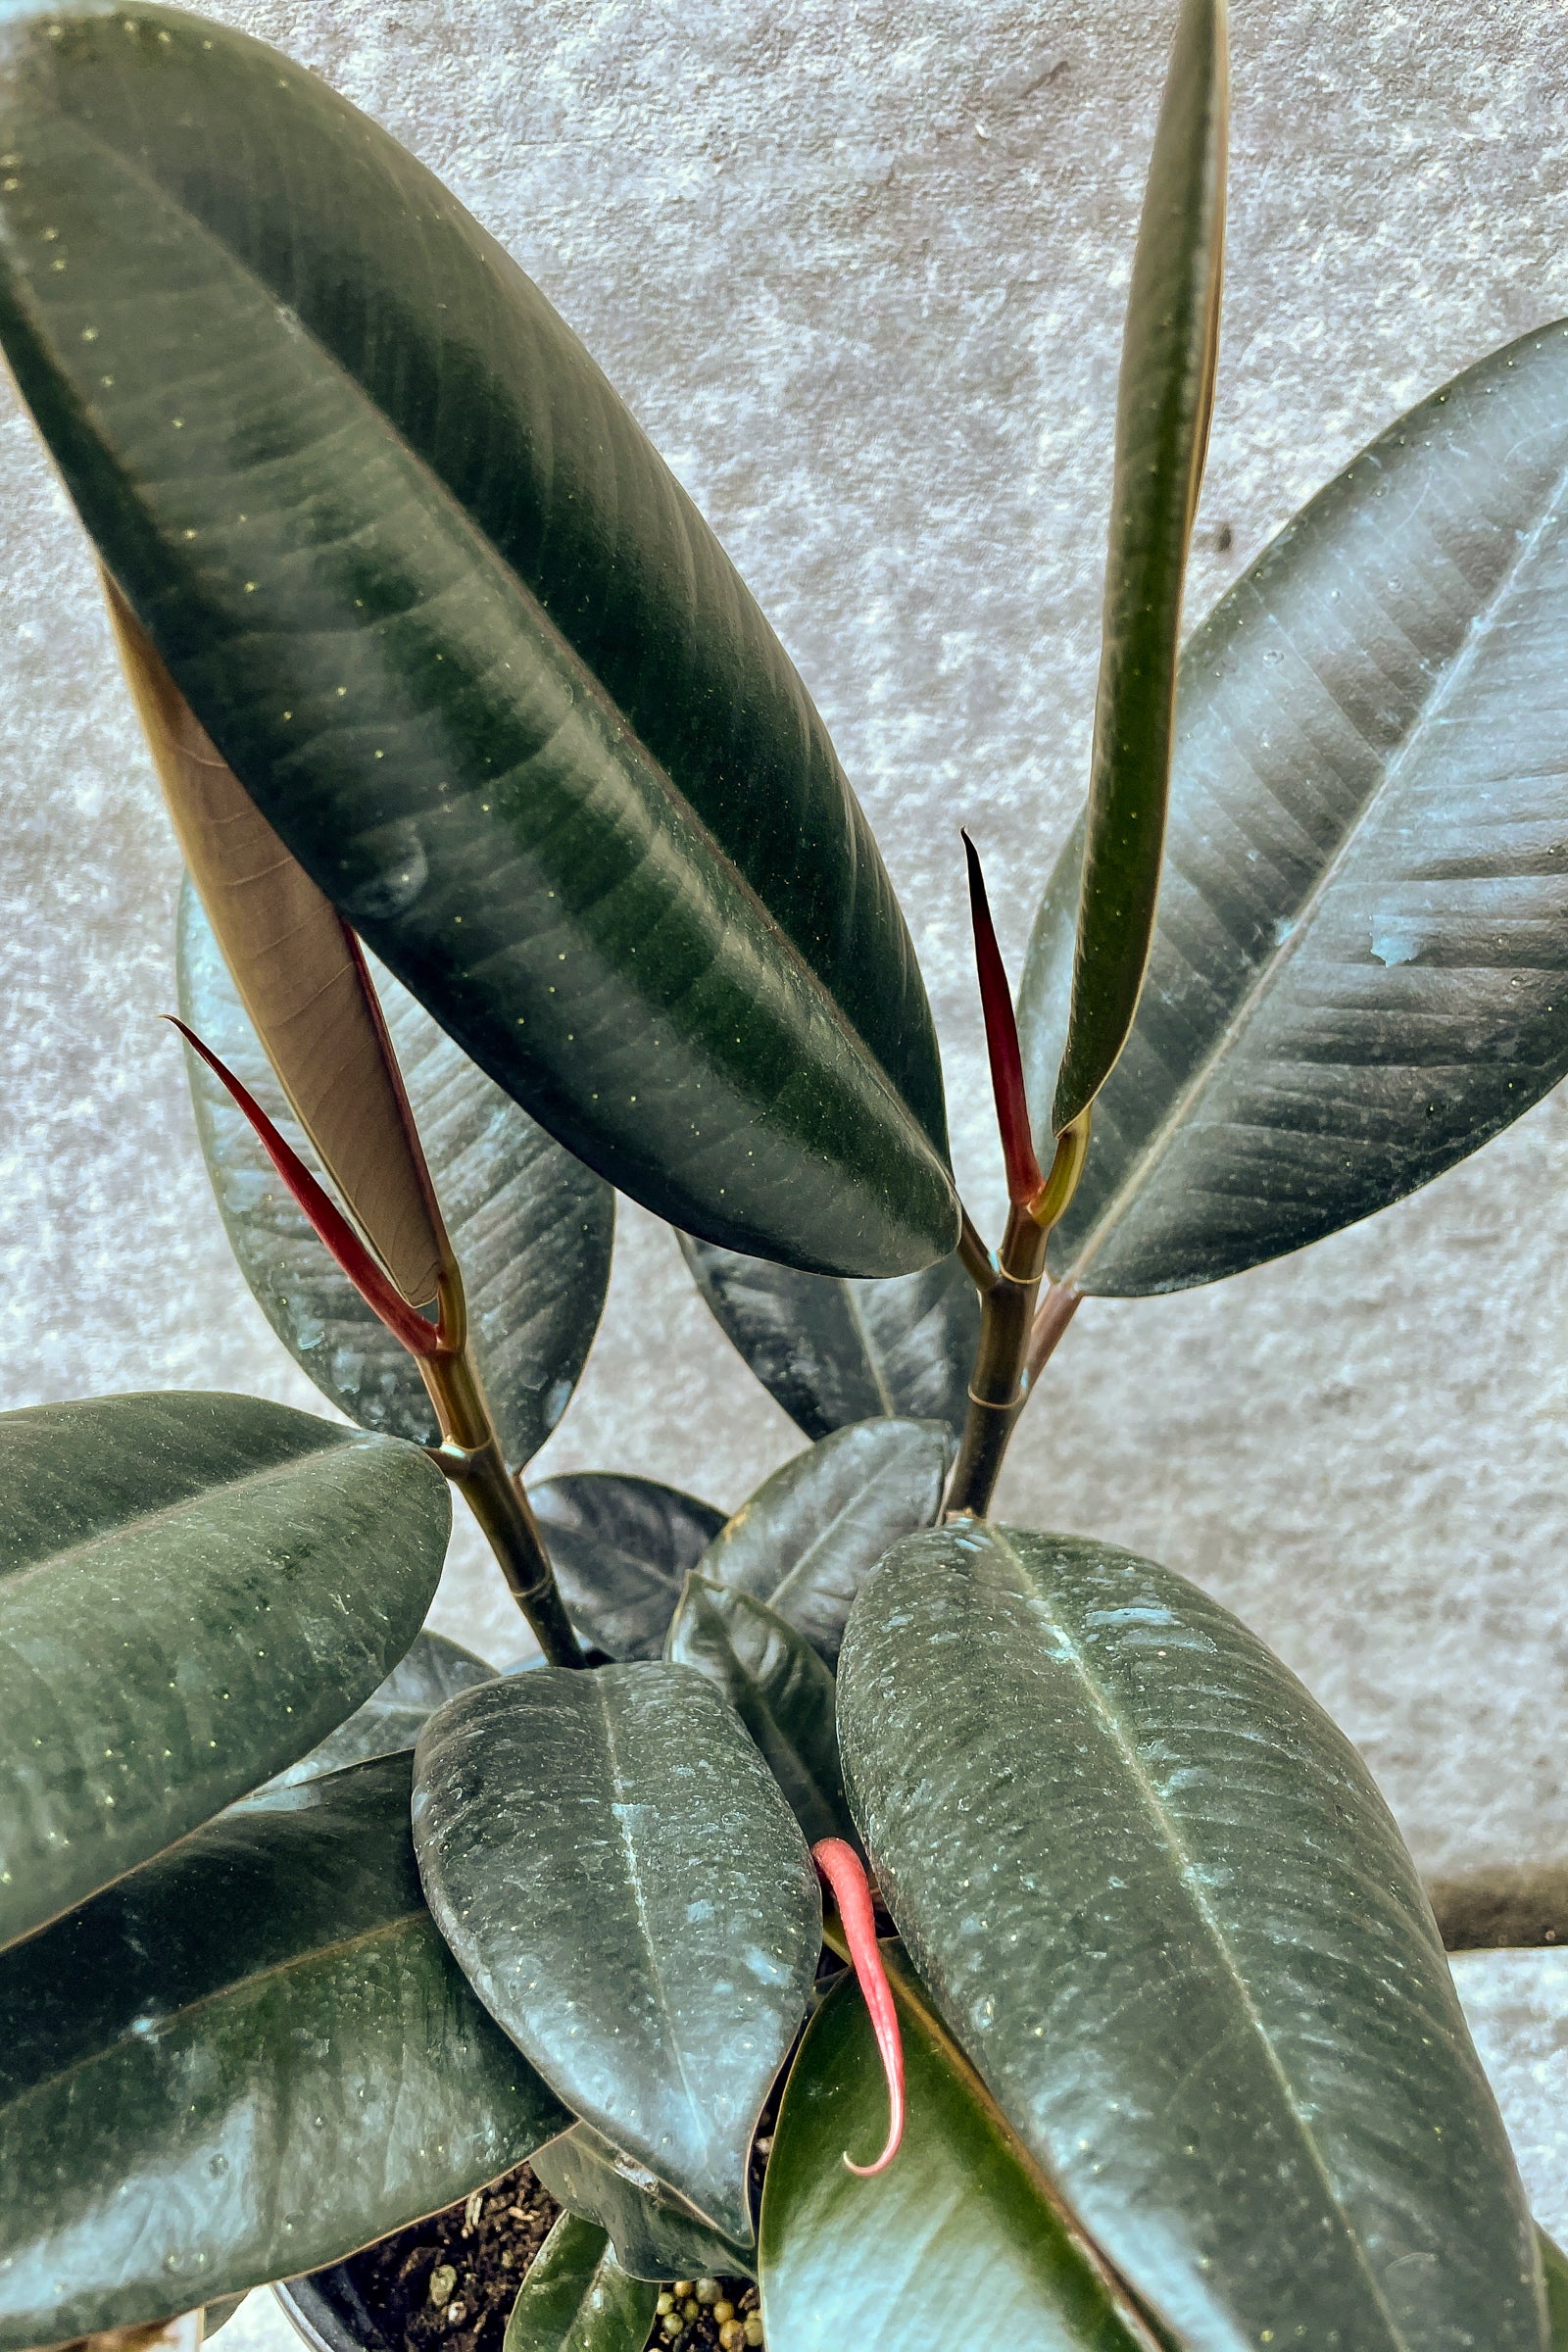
(488,2244)
(448,2284)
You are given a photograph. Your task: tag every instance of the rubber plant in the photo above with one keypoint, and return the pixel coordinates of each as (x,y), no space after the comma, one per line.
(521,869)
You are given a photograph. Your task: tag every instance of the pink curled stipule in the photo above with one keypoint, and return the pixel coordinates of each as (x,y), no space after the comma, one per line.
(842,1873)
(327,1222)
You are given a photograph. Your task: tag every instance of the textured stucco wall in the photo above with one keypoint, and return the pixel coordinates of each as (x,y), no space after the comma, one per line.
(859,270)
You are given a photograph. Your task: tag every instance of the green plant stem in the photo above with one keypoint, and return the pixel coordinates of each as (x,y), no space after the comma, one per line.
(1014,1342)
(996,1389)
(470,1453)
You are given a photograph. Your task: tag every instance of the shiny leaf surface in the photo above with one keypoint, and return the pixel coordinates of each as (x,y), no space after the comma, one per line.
(301,977)
(1361,967)
(628,1894)
(194,1591)
(1555,2265)
(654,2232)
(532,1227)
(833,1351)
(246,2059)
(393,1716)
(456,627)
(956,2243)
(777,1686)
(1162,410)
(1161,1905)
(814,1529)
(577,2298)
(622,1548)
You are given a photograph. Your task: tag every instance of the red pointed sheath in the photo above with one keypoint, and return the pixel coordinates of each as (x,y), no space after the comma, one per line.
(842,1871)
(1025,1183)
(327,1222)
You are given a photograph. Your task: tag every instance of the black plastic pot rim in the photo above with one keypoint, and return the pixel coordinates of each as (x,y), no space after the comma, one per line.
(315,2316)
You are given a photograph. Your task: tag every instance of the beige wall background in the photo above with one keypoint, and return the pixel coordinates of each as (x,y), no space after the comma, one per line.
(858,266)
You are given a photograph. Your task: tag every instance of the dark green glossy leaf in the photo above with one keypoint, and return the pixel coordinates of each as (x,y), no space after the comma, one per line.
(622,1548)
(956,2244)
(816,1528)
(1162,411)
(459,633)
(777,1686)
(1360,966)
(218,2315)
(1554,2263)
(834,1351)
(577,2298)
(655,2232)
(531,1226)
(393,1716)
(247,2059)
(194,1591)
(1164,1910)
(627,1892)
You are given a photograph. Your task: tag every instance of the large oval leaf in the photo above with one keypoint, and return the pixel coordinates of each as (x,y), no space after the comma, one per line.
(777,1686)
(531,1226)
(1163,1908)
(834,1351)
(395,1713)
(622,1547)
(576,2297)
(462,636)
(654,2232)
(818,1526)
(1361,967)
(246,2060)
(629,1893)
(957,2243)
(194,1591)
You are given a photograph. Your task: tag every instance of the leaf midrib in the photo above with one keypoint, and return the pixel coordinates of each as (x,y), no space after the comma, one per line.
(239,1985)
(803,1563)
(1159,1141)
(14,1578)
(873,1360)
(1187,1872)
(762,1699)
(634,1879)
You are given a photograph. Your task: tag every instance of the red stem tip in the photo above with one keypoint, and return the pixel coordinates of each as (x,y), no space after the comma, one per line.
(842,1873)
(1024,1180)
(327,1222)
